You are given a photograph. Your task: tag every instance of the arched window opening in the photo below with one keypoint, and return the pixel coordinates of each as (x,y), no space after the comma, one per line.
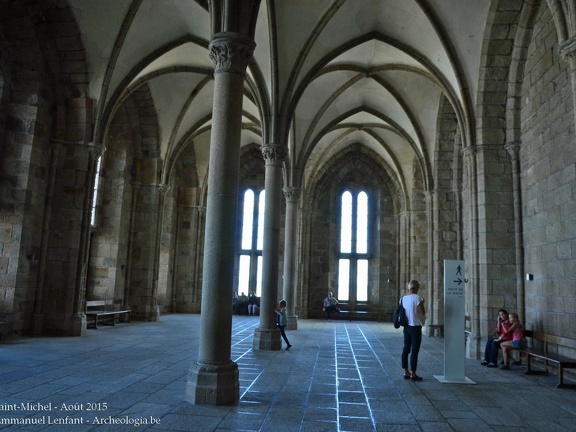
(252,243)
(353,265)
(95,192)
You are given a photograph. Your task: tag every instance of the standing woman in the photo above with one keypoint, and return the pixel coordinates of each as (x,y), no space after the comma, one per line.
(416,314)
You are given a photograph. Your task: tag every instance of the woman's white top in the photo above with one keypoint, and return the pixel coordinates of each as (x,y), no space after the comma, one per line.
(410,303)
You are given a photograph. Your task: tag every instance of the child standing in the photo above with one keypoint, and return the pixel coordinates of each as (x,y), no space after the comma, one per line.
(281,322)
(516,342)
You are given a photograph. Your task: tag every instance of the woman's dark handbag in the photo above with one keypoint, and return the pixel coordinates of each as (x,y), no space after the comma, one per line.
(400,319)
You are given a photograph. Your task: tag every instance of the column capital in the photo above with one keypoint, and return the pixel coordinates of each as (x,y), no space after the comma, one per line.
(513,148)
(274,153)
(231,52)
(96,149)
(292,194)
(469,154)
(163,189)
(568,49)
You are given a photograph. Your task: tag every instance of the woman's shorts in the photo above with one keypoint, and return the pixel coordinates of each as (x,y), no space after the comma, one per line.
(517,344)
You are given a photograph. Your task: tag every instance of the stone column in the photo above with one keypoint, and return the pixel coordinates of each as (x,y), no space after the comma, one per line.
(568,53)
(303,265)
(128,277)
(153,301)
(513,149)
(38,317)
(145,251)
(473,348)
(292,196)
(213,378)
(267,336)
(198,228)
(434,312)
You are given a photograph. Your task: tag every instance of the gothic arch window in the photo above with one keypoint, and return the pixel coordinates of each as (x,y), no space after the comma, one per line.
(353,250)
(251,243)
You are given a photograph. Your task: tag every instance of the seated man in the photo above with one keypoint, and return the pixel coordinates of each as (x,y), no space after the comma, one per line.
(330,303)
(253,303)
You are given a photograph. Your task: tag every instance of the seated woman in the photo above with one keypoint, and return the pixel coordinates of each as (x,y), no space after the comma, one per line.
(508,346)
(493,343)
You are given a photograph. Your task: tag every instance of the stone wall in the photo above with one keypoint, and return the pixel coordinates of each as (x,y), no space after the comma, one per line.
(355,168)
(548,183)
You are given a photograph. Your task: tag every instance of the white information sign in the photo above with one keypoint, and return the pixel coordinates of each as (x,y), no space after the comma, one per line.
(454,326)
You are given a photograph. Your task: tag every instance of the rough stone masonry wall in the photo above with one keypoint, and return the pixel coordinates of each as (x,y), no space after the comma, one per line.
(108,251)
(445,216)
(25,166)
(324,221)
(419,235)
(488,217)
(548,183)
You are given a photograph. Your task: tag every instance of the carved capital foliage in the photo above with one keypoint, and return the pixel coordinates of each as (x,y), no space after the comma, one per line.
(469,152)
(163,189)
(274,153)
(292,194)
(513,148)
(231,52)
(96,149)
(568,50)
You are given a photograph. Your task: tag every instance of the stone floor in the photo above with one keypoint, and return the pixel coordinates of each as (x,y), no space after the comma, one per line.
(339,376)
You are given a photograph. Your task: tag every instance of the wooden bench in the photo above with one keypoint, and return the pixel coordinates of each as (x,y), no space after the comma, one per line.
(105,312)
(360,312)
(467,326)
(434,329)
(543,350)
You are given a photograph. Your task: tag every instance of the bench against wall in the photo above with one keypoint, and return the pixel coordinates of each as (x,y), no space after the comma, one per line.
(543,350)
(358,312)
(105,312)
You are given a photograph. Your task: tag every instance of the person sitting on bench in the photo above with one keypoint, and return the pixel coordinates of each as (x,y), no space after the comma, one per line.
(330,303)
(493,343)
(252,303)
(516,343)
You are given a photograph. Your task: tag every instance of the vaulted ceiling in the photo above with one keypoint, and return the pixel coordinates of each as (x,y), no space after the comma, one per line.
(337,72)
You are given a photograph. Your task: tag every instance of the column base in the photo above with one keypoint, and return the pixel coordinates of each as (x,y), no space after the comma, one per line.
(213,384)
(473,348)
(78,325)
(155,314)
(267,340)
(292,322)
